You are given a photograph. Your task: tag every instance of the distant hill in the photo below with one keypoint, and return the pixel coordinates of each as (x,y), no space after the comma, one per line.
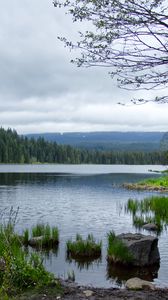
(164,142)
(118,141)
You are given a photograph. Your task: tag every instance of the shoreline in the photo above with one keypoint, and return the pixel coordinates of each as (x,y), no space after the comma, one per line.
(80,292)
(145,187)
(73,291)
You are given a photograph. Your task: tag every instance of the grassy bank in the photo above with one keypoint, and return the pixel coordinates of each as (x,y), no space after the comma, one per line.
(152,184)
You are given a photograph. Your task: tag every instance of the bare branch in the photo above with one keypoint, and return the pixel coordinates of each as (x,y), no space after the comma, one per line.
(130,37)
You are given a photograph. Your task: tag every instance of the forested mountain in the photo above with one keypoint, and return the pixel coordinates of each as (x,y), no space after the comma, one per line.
(20,149)
(117,141)
(164,142)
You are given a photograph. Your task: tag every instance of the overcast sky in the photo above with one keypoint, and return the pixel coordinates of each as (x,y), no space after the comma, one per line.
(41,91)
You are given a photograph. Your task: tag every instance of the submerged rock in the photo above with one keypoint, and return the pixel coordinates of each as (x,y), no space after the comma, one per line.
(144,249)
(138,284)
(35,241)
(150,226)
(39,241)
(122,272)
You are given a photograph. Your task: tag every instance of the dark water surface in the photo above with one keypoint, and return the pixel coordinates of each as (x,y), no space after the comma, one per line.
(79,199)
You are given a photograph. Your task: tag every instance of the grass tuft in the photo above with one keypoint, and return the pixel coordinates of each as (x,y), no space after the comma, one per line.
(117,251)
(150,210)
(81,248)
(42,236)
(26,237)
(38,230)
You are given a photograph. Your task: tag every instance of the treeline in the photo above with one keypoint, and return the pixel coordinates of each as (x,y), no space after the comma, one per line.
(20,149)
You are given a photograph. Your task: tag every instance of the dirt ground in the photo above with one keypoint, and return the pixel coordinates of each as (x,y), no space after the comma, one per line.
(71,291)
(75,293)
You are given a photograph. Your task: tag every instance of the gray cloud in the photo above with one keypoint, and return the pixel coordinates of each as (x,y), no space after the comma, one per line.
(41,91)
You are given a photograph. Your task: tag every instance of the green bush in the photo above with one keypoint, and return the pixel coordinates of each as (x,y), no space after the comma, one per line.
(21,270)
(24,272)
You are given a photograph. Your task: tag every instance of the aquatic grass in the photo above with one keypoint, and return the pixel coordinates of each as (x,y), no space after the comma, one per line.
(117,251)
(132,206)
(51,236)
(150,210)
(84,248)
(140,221)
(41,236)
(38,230)
(25,237)
(71,275)
(47,238)
(78,237)
(55,234)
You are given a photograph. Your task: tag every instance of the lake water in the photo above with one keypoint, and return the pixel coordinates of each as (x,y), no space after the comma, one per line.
(78,199)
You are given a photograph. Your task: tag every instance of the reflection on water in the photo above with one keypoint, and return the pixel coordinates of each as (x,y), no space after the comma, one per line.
(77,204)
(120,273)
(84,263)
(44,253)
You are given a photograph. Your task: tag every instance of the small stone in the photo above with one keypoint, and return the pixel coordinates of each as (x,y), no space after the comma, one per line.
(138,284)
(88,293)
(150,226)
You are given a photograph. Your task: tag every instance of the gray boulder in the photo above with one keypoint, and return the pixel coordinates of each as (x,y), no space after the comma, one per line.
(144,249)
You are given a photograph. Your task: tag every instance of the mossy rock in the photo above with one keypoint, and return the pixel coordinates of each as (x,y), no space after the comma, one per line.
(39,241)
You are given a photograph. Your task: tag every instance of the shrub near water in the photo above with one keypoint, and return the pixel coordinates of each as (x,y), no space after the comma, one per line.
(81,248)
(20,271)
(117,251)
